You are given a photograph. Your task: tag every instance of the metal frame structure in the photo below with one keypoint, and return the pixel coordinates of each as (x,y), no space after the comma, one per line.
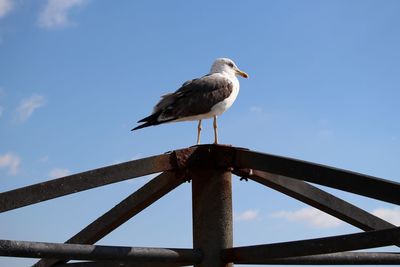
(210,168)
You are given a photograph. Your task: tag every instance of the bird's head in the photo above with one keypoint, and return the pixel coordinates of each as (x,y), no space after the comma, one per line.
(227,65)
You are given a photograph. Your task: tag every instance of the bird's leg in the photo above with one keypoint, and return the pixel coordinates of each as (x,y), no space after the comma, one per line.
(198,132)
(215,130)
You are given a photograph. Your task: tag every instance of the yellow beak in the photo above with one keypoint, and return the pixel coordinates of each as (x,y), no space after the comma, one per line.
(242,73)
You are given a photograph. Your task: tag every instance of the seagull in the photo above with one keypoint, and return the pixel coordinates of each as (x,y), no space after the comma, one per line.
(198,99)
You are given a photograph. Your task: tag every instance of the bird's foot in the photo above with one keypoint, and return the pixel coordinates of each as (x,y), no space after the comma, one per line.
(244,174)
(183,174)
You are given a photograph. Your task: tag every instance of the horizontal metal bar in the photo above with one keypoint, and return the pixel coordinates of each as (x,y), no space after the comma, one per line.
(120,264)
(343,258)
(258,254)
(86,180)
(319,199)
(357,183)
(26,249)
(126,209)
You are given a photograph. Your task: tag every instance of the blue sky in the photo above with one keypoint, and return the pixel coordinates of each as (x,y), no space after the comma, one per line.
(76,75)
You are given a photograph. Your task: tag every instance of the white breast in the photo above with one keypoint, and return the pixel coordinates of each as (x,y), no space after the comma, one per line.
(221,107)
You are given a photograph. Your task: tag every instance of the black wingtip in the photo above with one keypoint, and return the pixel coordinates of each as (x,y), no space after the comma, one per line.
(151,121)
(147,124)
(148,121)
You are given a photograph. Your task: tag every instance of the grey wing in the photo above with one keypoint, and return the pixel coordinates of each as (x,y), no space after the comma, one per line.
(195,97)
(169,98)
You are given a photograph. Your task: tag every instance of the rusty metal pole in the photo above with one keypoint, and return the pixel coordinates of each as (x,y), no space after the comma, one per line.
(212,215)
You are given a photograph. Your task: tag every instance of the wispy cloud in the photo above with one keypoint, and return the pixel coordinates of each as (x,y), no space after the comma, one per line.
(311,216)
(247,215)
(28,106)
(58,172)
(55,13)
(5,7)
(11,162)
(390,215)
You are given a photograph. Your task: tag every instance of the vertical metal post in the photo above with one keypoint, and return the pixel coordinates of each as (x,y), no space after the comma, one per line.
(212,215)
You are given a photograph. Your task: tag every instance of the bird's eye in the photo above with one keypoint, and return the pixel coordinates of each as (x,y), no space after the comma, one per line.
(230,64)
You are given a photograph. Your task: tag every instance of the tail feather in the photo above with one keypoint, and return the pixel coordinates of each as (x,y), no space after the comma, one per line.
(150,121)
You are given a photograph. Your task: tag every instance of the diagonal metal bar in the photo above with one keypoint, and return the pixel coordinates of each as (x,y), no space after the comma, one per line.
(126,209)
(27,249)
(86,180)
(357,183)
(260,253)
(319,199)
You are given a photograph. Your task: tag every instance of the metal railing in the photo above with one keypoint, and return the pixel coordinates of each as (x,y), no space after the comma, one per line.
(210,169)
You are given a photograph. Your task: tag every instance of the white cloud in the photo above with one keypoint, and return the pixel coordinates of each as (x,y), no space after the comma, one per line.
(5,7)
(56,13)
(11,162)
(248,215)
(390,215)
(28,106)
(58,172)
(311,216)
